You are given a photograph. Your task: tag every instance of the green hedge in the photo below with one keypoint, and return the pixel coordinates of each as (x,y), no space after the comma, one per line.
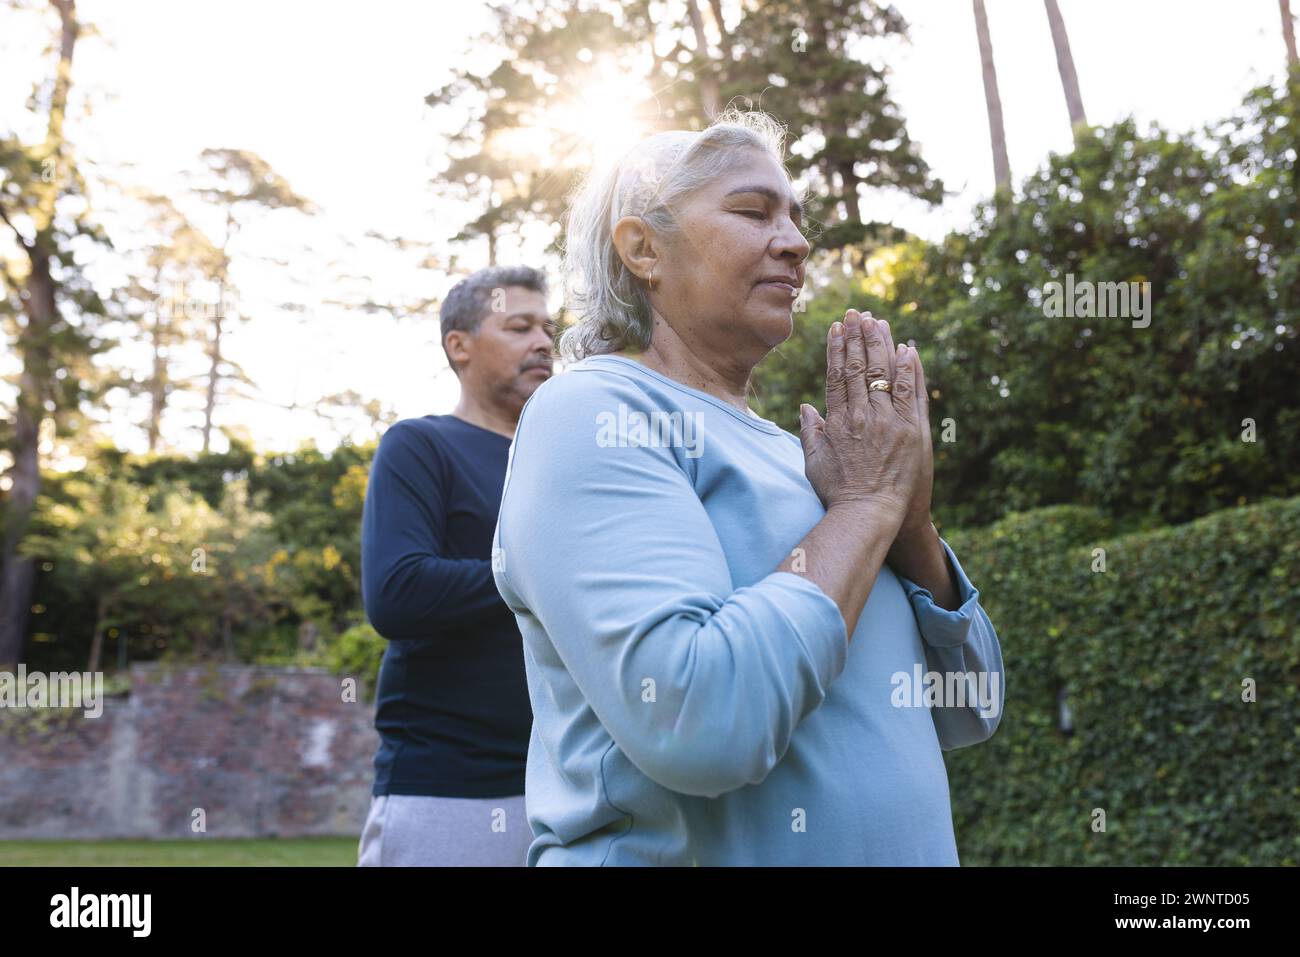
(1151,655)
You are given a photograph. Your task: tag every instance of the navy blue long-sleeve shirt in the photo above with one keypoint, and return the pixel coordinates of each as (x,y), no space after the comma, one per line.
(452,708)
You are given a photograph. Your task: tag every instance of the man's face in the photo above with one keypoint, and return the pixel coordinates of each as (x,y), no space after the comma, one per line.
(512,352)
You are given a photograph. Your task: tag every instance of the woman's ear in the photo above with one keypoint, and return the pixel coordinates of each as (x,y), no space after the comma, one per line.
(635,244)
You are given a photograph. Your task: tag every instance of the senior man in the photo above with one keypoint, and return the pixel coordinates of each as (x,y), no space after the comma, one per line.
(452,708)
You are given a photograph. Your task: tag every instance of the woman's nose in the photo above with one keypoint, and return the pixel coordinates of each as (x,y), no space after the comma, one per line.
(792,240)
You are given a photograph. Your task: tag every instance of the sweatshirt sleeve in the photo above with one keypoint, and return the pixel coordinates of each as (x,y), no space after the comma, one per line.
(961,641)
(409,587)
(610,549)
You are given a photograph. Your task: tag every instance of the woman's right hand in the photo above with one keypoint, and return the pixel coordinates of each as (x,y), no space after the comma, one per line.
(869,449)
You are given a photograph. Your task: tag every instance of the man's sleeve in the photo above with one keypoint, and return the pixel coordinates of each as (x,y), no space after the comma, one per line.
(409,587)
(610,549)
(961,641)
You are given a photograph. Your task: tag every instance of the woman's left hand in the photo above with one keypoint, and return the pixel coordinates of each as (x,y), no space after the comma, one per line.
(918,512)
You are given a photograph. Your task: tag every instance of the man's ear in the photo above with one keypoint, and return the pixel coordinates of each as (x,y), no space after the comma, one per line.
(635,244)
(458,345)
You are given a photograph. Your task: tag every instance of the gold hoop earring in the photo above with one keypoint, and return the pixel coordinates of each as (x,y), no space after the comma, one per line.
(652,277)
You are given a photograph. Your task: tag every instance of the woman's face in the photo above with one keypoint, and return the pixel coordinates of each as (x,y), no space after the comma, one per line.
(727,281)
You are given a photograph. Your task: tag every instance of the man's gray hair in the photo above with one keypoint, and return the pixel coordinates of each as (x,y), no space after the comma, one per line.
(610,302)
(472,298)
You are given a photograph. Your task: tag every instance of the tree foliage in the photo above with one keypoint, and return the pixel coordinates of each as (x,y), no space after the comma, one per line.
(1192,413)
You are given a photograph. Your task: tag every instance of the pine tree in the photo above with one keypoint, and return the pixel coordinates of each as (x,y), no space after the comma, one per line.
(52,312)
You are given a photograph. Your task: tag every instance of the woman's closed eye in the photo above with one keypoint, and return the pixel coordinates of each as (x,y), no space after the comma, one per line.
(754,213)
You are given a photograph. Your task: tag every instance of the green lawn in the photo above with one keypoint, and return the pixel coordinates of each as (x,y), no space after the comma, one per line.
(198,852)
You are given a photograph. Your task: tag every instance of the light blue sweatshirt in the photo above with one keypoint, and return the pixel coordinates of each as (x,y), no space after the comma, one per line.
(691,705)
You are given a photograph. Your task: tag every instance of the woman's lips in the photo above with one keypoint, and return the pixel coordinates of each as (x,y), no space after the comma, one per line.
(789,290)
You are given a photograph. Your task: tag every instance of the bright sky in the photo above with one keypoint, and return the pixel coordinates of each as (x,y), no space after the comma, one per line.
(331,95)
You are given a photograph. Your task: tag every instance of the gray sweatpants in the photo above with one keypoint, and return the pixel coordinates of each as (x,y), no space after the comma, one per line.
(405,830)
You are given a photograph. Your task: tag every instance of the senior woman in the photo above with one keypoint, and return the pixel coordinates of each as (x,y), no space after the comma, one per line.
(717,615)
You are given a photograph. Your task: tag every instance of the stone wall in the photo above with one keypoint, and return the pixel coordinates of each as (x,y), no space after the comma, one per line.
(260,751)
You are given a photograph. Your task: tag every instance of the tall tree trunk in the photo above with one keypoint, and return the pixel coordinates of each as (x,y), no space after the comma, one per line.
(214,371)
(1288,34)
(214,374)
(997,133)
(97,643)
(33,389)
(849,180)
(709,95)
(40,308)
(158,384)
(1065,64)
(716,6)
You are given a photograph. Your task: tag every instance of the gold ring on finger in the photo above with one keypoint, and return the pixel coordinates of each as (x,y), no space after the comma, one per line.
(879,385)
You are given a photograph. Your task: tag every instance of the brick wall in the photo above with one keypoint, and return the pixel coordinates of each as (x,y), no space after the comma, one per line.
(261,751)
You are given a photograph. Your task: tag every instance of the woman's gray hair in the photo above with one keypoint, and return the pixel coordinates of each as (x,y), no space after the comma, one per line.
(650,180)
